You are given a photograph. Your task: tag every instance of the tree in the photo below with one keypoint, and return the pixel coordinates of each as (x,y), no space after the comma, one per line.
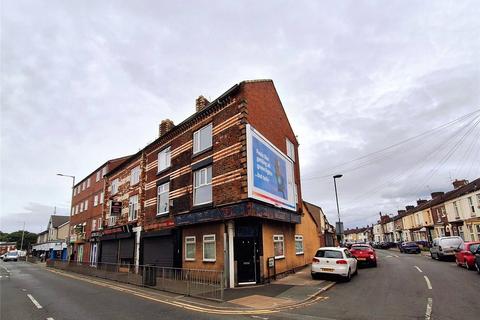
(29,238)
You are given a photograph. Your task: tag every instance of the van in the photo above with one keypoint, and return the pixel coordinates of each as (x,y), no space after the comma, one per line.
(445,247)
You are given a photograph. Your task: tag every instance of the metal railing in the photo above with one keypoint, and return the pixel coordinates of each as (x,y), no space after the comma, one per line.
(207,284)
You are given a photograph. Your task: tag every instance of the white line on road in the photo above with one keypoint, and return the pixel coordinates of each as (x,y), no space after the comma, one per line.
(428,313)
(419,270)
(429,285)
(258,317)
(395,256)
(35,302)
(50,318)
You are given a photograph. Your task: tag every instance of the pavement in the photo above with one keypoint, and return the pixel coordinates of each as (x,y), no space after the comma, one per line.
(403,286)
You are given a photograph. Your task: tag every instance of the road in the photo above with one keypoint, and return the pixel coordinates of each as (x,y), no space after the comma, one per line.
(402,287)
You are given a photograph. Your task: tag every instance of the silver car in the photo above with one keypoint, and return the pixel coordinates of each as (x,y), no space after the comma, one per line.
(445,247)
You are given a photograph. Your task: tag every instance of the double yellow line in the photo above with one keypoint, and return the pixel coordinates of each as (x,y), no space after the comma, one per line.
(221,311)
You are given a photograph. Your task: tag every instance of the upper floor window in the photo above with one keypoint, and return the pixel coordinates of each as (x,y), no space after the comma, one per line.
(95,200)
(202,186)
(114,186)
(74,191)
(81,206)
(97,178)
(135,175)
(86,205)
(88,182)
(455,207)
(101,197)
(164,159)
(202,139)
(104,171)
(472,207)
(133,208)
(290,150)
(162,198)
(83,185)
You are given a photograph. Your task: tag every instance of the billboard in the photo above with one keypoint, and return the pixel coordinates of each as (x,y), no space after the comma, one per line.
(270,172)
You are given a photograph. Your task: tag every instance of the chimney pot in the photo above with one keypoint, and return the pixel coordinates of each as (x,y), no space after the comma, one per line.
(437,194)
(421,201)
(165,126)
(409,207)
(201,103)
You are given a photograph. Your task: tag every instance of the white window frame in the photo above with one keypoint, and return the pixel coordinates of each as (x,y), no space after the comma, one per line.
(94,224)
(190,240)
(205,241)
(472,206)
(104,171)
(97,177)
(115,183)
(95,200)
(83,185)
(457,212)
(85,206)
(164,159)
(81,206)
(135,175)
(73,211)
(298,238)
(88,182)
(290,149)
(101,197)
(133,208)
(197,138)
(195,187)
(280,239)
(75,191)
(162,189)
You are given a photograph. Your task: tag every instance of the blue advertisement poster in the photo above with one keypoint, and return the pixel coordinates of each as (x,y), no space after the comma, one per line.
(269,170)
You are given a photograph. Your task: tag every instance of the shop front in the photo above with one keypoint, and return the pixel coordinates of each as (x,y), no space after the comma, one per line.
(117,245)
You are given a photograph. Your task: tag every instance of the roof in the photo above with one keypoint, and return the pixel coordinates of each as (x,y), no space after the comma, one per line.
(59,220)
(103,164)
(315,212)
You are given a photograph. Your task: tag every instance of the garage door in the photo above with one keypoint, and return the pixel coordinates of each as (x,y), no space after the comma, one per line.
(158,251)
(109,251)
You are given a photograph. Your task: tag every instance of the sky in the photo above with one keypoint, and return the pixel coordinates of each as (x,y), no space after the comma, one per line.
(86,81)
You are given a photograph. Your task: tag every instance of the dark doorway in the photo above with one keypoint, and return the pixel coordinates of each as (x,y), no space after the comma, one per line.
(247,248)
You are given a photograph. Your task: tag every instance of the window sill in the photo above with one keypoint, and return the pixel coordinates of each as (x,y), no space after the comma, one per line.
(198,153)
(163,171)
(209,260)
(189,260)
(163,214)
(279,257)
(202,205)
(299,253)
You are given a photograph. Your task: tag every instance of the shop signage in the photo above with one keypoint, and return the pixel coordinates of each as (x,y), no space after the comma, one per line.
(270,172)
(120,229)
(115,208)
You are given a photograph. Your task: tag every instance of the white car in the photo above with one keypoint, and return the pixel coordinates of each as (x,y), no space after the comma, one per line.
(335,261)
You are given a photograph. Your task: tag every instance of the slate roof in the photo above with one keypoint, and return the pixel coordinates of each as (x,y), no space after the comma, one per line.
(59,220)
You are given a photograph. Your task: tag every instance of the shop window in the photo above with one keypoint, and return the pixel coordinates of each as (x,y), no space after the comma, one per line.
(477,227)
(209,248)
(298,244)
(135,176)
(460,232)
(133,208)
(162,198)
(164,159)
(278,246)
(471,231)
(190,244)
(202,139)
(202,190)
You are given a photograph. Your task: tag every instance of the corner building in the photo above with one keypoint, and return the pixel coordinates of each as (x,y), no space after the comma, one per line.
(221,190)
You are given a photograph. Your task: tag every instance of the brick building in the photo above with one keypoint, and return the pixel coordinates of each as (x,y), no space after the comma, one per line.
(221,190)
(87,212)
(6,246)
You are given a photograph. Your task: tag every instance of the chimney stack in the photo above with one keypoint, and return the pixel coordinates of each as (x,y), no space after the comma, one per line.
(437,194)
(421,201)
(165,126)
(201,103)
(400,211)
(459,183)
(409,207)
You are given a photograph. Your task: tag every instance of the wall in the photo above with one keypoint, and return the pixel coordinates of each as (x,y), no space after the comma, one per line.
(291,260)
(199,231)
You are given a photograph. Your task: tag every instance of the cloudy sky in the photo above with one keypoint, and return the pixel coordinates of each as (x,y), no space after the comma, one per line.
(86,81)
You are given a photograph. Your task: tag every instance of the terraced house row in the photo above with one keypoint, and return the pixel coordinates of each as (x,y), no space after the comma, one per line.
(456,212)
(220,190)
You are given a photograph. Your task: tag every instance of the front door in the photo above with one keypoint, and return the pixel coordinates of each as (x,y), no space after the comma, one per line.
(245,250)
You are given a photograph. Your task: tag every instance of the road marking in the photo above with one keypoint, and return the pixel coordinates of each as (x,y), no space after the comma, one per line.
(258,317)
(428,313)
(35,302)
(50,318)
(419,270)
(395,256)
(429,285)
(24,290)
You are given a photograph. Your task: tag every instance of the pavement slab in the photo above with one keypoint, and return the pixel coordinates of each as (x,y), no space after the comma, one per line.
(262,302)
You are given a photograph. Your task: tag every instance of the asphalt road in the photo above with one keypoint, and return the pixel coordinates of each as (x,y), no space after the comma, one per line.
(397,289)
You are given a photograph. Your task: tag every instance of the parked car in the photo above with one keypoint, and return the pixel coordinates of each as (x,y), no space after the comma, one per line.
(11,256)
(465,254)
(409,247)
(365,254)
(334,261)
(444,247)
(3,255)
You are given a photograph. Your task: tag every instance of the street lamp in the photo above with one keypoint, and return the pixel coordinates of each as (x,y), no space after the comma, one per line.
(339,224)
(71,205)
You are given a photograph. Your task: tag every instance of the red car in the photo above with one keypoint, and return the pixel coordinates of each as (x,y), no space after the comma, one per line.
(465,254)
(365,254)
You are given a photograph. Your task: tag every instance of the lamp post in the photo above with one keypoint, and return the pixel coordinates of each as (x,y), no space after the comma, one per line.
(339,224)
(71,204)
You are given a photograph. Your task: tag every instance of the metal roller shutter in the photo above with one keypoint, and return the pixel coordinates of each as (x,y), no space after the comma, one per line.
(127,247)
(158,251)
(109,251)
